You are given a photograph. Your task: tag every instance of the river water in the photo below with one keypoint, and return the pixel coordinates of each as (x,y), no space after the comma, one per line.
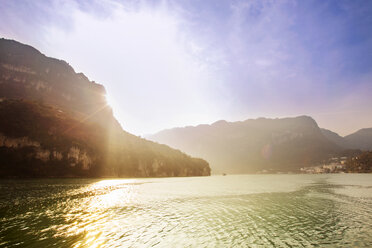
(332,210)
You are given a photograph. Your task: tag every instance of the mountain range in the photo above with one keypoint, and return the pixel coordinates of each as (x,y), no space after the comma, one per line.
(361,139)
(55,122)
(263,145)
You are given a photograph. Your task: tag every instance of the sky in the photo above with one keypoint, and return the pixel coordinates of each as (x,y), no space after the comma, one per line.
(177,63)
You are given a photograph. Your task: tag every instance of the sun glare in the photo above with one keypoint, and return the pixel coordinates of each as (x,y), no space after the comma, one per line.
(191,123)
(110,101)
(144,57)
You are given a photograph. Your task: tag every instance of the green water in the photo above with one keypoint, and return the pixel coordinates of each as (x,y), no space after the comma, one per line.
(231,211)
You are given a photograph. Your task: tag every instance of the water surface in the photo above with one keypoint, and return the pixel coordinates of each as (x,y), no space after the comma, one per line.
(231,211)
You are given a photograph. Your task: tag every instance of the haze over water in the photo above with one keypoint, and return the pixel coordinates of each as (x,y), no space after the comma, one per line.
(332,210)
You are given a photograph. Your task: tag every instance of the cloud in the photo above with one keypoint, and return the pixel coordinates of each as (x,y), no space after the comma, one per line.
(294,57)
(263,62)
(174,63)
(151,68)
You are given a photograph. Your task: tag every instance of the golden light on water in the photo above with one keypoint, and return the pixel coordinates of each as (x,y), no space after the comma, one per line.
(179,87)
(120,196)
(248,211)
(96,217)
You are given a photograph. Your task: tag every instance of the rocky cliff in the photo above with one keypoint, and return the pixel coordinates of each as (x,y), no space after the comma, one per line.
(55,122)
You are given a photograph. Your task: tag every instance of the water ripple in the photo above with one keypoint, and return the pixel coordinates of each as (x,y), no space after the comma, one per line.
(149,213)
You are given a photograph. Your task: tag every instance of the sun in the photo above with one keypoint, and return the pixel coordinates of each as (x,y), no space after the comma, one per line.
(109,100)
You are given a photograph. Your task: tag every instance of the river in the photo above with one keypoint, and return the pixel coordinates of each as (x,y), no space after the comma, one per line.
(329,210)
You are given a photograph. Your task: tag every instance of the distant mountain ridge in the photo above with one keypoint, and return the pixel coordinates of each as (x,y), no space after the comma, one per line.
(55,122)
(253,145)
(361,139)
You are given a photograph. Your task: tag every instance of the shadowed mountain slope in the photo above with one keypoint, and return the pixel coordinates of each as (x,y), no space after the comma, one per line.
(55,122)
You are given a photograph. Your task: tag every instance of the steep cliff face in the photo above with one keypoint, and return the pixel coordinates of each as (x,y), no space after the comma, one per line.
(25,73)
(39,140)
(253,145)
(55,122)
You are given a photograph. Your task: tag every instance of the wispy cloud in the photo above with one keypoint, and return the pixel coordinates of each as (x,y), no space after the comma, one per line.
(173,63)
(151,67)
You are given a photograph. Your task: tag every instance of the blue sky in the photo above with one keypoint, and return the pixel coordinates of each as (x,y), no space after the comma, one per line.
(177,63)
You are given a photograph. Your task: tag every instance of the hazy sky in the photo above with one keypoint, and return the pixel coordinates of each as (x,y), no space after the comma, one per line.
(177,63)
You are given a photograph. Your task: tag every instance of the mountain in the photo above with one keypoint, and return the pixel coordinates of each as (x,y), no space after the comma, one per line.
(253,145)
(28,74)
(361,139)
(54,122)
(334,137)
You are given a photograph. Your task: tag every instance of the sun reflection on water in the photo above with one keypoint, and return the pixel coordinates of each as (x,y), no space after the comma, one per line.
(96,218)
(249,210)
(117,193)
